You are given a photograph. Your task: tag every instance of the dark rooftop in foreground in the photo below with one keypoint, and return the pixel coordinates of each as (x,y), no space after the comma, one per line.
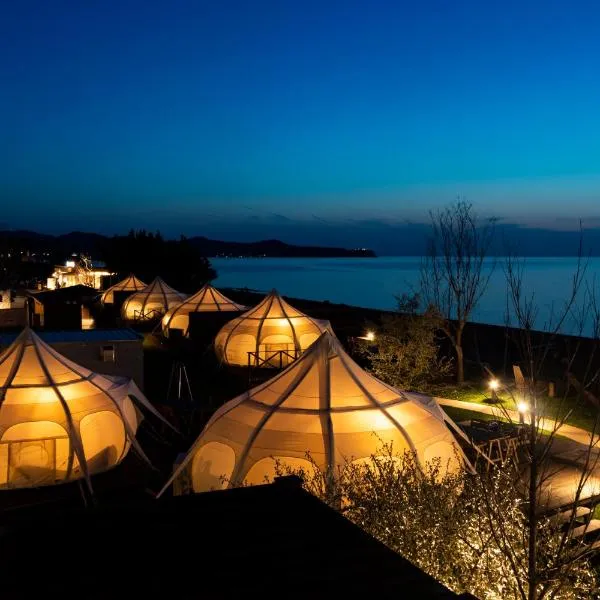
(266,541)
(82,336)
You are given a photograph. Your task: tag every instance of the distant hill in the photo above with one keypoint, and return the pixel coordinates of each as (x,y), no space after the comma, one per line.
(271,248)
(92,243)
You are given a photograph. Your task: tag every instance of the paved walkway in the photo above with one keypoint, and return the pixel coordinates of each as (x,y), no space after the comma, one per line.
(581,436)
(562,479)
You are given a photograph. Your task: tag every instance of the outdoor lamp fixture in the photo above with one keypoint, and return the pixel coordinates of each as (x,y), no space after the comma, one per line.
(370,336)
(494,384)
(523,409)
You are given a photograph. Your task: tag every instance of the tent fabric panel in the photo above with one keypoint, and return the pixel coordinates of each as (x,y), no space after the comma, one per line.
(212,467)
(445,452)
(266,469)
(344,389)
(61,368)
(237,351)
(30,395)
(29,370)
(103,437)
(9,360)
(305,396)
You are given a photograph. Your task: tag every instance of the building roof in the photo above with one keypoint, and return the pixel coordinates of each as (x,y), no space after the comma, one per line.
(71,292)
(269,541)
(88,335)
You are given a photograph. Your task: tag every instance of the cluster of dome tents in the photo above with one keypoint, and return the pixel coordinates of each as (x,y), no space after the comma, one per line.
(60,421)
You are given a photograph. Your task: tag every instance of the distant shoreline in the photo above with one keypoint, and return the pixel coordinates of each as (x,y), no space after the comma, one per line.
(92,243)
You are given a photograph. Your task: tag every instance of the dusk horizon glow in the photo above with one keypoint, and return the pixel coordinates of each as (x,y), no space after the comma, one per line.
(240,119)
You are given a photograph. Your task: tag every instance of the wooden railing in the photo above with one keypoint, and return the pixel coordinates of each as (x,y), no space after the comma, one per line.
(272,359)
(148,315)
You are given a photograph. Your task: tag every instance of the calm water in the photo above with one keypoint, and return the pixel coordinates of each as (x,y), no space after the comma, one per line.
(374,282)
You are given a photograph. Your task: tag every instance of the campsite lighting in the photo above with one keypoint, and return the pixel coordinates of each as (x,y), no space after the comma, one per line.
(494,384)
(370,336)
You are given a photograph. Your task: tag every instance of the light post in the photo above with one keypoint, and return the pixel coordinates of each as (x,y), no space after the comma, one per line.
(494,384)
(523,409)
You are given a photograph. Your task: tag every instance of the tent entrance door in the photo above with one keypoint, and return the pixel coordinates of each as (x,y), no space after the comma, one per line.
(30,462)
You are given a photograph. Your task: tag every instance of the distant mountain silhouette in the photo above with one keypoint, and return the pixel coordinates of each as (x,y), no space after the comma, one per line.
(93,244)
(385,239)
(272,248)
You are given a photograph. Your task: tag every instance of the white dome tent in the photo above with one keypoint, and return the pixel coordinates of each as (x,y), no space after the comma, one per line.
(129,284)
(58,420)
(151,302)
(272,334)
(323,404)
(206,300)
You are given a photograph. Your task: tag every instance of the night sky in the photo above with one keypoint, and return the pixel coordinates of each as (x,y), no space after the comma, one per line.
(255,119)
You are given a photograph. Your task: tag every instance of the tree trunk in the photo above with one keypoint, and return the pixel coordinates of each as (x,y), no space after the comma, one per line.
(532,512)
(460,361)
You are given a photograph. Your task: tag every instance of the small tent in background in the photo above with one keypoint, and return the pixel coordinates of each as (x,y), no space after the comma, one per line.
(130,284)
(207,300)
(323,404)
(151,302)
(273,333)
(60,421)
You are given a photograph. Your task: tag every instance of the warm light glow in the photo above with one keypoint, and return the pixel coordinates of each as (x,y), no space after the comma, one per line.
(523,407)
(70,264)
(493,384)
(370,336)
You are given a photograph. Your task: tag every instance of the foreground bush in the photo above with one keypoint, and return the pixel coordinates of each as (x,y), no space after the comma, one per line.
(467,531)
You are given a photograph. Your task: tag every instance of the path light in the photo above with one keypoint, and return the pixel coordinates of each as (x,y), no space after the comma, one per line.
(523,408)
(494,384)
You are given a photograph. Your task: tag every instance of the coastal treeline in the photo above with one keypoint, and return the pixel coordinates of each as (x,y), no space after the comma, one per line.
(150,255)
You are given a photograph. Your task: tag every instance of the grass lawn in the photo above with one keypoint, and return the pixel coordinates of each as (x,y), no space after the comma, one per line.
(460,414)
(582,414)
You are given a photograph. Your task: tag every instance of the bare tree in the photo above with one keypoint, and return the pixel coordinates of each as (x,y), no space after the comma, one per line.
(540,474)
(453,274)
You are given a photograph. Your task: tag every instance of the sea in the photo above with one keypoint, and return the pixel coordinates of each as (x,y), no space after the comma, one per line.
(376,282)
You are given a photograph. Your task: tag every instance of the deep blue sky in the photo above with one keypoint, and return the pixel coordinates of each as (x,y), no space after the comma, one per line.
(242,119)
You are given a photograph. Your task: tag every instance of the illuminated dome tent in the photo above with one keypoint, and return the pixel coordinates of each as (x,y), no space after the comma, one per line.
(273,333)
(324,404)
(151,302)
(207,300)
(130,284)
(60,421)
